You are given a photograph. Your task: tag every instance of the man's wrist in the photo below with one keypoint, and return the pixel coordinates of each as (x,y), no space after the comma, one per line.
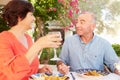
(59,63)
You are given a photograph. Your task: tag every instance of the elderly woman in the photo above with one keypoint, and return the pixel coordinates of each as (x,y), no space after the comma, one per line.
(18,54)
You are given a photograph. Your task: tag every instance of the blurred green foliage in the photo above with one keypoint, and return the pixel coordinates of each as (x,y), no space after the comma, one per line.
(46,9)
(116,48)
(3,25)
(47,54)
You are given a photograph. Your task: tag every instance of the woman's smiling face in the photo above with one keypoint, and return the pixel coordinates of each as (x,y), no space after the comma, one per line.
(28,20)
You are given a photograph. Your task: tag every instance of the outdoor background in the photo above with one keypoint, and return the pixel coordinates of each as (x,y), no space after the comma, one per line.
(61,15)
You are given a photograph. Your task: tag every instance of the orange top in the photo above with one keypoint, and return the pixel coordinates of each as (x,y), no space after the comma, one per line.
(13,63)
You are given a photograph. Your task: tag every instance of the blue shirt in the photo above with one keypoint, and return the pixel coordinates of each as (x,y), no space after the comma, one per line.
(92,55)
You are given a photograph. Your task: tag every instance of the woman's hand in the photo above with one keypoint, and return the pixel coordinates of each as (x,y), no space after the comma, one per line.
(50,40)
(45,69)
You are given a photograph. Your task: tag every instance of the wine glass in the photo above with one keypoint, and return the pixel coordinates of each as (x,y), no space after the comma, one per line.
(55,58)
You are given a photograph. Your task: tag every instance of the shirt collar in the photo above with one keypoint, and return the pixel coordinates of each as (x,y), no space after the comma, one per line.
(94,36)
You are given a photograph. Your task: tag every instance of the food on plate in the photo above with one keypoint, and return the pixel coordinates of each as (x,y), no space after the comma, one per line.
(92,73)
(45,77)
(55,78)
(39,78)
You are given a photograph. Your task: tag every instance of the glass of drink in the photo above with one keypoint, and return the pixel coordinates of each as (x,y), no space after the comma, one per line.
(55,58)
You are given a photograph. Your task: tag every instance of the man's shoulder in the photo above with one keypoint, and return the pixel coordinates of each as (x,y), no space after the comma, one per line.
(101,39)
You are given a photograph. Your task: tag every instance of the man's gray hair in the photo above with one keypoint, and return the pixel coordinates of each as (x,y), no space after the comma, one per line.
(92,14)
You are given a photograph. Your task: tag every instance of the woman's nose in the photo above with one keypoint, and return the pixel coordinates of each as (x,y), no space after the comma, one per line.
(34,18)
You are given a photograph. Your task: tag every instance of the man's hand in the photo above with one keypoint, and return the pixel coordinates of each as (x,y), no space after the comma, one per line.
(117,71)
(62,68)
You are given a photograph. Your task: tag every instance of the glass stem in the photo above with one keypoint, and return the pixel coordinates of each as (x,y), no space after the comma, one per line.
(55,54)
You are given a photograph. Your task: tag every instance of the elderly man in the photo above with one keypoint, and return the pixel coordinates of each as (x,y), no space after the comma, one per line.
(85,50)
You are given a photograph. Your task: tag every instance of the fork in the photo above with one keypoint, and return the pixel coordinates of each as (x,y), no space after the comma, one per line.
(73,77)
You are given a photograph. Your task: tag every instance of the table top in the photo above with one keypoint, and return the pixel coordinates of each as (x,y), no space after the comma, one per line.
(110,76)
(76,76)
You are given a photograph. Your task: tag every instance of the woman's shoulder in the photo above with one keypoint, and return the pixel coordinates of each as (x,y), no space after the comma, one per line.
(5,34)
(5,38)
